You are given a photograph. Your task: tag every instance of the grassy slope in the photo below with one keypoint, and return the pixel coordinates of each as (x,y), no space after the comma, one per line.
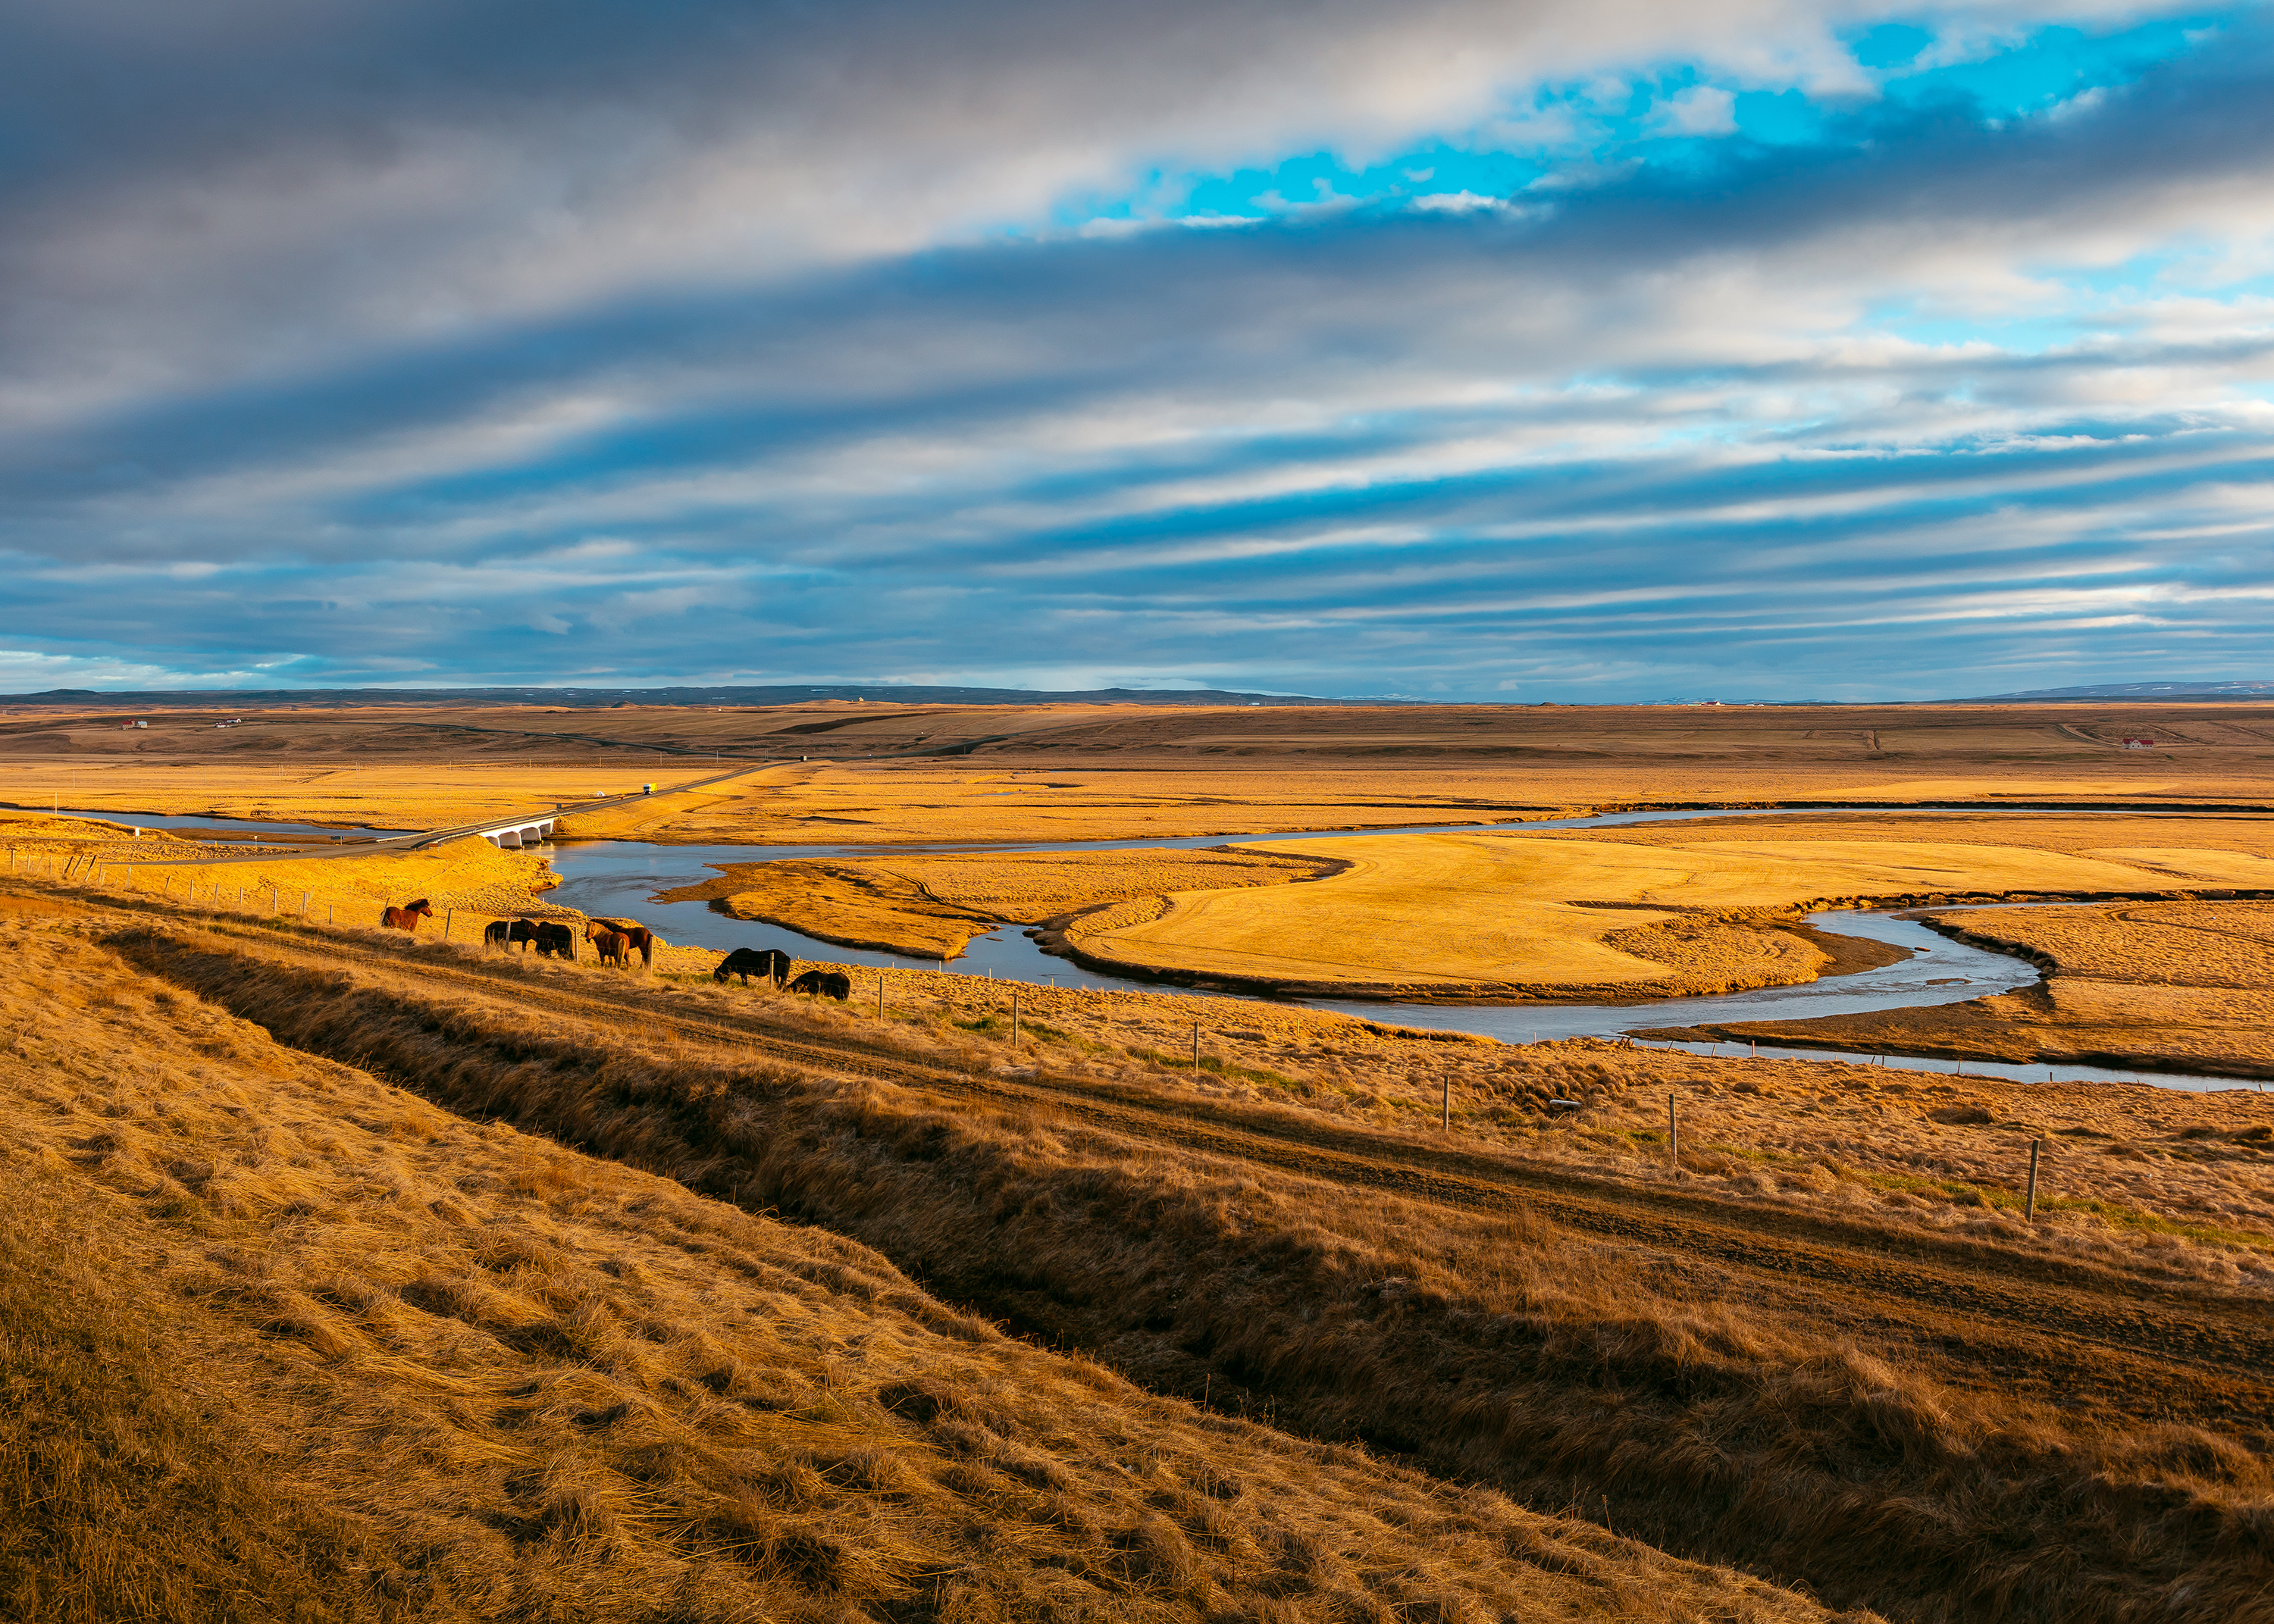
(1513,1354)
(470,875)
(278,1341)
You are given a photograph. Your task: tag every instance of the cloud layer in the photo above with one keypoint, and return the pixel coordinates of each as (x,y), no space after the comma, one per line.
(1537,351)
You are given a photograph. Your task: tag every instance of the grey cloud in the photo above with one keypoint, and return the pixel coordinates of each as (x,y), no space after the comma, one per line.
(1116,457)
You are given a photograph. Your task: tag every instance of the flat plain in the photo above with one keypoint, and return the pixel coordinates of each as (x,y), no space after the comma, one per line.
(1642,911)
(354,1275)
(912,774)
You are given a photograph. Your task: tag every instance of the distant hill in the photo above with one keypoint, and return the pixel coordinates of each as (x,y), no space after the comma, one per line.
(271,699)
(2135,690)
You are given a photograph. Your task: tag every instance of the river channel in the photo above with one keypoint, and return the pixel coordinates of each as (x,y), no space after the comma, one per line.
(620,879)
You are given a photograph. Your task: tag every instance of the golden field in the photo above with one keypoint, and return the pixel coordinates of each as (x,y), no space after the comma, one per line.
(1852,1138)
(906,774)
(360,1276)
(1638,913)
(609,1389)
(470,883)
(439,794)
(2148,986)
(471,876)
(280,1340)
(929,907)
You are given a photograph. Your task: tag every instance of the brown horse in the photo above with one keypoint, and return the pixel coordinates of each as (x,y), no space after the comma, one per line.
(639,935)
(407,918)
(612,944)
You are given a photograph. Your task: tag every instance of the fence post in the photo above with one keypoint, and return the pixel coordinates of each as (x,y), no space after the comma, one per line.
(2030,1215)
(304,904)
(447,915)
(880,995)
(1445,1105)
(1015,1020)
(1196,1051)
(1673,1134)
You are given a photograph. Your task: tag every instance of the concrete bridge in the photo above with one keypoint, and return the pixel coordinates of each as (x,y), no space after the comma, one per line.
(513,836)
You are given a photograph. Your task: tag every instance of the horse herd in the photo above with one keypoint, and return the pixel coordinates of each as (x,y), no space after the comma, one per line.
(773,964)
(616,940)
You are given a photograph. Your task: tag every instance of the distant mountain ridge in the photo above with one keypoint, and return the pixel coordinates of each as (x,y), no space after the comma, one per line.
(595,698)
(2135,691)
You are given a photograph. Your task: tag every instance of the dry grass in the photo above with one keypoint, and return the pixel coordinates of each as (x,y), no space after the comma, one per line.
(1631,914)
(440,792)
(2152,986)
(1032,773)
(930,906)
(280,1341)
(1498,1350)
(471,878)
(2165,1186)
(2228,947)
(470,883)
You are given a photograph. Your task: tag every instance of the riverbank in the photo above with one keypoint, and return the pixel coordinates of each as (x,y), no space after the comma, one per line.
(930,906)
(1641,911)
(2147,986)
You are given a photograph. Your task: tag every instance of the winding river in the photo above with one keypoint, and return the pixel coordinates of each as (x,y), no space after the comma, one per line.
(620,879)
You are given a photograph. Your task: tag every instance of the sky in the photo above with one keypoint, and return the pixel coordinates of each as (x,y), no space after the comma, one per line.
(1591,351)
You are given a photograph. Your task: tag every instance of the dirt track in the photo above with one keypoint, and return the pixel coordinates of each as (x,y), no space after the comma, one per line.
(2085,1337)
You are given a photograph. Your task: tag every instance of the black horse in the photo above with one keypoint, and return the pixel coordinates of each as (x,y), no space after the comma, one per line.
(523,931)
(748,961)
(493,935)
(835,983)
(555,941)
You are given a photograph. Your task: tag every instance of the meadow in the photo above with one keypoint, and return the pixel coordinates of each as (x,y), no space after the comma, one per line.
(2173,986)
(281,1339)
(606,1376)
(360,1275)
(468,877)
(844,773)
(2174,1187)
(1640,912)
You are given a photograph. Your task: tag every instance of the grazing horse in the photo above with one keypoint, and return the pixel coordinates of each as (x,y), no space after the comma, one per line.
(748,961)
(835,983)
(639,935)
(554,939)
(522,931)
(407,918)
(612,944)
(493,934)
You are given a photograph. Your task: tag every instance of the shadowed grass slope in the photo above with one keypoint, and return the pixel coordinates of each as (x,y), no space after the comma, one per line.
(278,1341)
(1499,1350)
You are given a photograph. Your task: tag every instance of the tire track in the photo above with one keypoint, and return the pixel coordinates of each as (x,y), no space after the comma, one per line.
(2062,1323)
